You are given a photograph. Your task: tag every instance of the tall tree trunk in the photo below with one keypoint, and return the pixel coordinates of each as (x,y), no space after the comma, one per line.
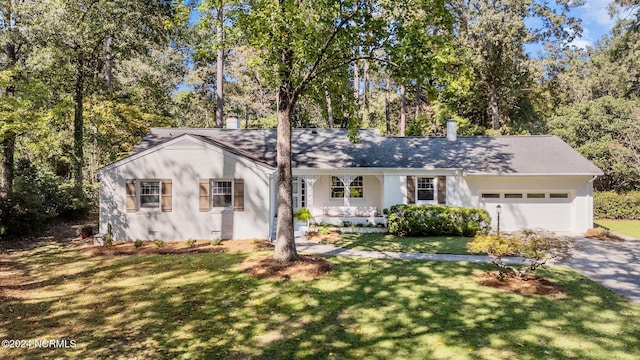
(78,124)
(356,90)
(493,107)
(9,142)
(8,151)
(329,108)
(285,248)
(365,93)
(418,100)
(220,69)
(387,107)
(108,76)
(403,111)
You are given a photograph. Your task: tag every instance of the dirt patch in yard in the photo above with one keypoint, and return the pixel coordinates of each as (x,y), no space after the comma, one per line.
(329,238)
(307,268)
(528,285)
(178,247)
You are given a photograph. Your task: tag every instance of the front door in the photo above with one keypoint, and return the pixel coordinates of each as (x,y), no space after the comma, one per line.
(299,194)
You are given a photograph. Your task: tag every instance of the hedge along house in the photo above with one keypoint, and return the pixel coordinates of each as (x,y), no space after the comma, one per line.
(208,183)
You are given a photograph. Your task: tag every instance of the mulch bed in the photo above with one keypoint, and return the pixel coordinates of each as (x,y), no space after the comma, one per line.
(329,238)
(307,268)
(528,285)
(602,234)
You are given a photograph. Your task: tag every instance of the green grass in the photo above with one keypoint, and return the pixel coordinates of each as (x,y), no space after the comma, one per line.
(426,245)
(199,306)
(627,227)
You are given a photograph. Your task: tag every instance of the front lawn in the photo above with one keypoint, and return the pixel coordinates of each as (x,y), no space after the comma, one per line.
(627,227)
(199,306)
(426,245)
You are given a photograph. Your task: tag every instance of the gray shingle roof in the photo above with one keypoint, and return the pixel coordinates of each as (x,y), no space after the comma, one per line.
(331,148)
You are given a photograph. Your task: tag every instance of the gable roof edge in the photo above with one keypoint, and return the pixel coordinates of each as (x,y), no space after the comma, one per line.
(209,143)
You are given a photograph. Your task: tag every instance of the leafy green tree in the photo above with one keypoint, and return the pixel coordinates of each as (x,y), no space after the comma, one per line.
(299,42)
(493,35)
(14,47)
(607,132)
(87,40)
(419,51)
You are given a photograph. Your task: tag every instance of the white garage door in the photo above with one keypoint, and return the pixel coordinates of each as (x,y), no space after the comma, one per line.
(546,210)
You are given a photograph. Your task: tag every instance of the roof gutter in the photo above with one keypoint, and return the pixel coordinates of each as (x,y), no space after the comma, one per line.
(533,174)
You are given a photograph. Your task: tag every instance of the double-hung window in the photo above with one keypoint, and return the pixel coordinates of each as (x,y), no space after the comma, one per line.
(149,194)
(356,188)
(337,188)
(425,189)
(221,193)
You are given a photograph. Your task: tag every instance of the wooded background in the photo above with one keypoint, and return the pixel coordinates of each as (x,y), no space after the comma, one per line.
(82,81)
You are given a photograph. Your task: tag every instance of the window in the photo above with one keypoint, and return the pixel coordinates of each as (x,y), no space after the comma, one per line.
(559,195)
(337,188)
(299,193)
(425,188)
(150,194)
(356,188)
(490,196)
(513,196)
(221,193)
(536,196)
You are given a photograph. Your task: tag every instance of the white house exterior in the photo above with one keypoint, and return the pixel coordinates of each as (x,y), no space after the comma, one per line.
(207,183)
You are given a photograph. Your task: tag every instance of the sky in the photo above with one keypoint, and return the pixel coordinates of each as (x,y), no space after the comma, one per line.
(595,21)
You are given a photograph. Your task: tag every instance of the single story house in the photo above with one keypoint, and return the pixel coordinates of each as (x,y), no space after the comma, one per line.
(183,183)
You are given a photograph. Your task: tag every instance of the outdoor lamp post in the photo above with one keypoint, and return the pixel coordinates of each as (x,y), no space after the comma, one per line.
(498,211)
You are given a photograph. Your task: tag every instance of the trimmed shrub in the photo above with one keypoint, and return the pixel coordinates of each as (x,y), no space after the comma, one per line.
(536,247)
(437,220)
(613,205)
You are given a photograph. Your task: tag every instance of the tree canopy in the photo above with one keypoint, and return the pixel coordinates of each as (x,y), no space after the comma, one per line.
(82,82)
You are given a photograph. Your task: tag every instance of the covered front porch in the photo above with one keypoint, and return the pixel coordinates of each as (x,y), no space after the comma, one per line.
(358,197)
(333,199)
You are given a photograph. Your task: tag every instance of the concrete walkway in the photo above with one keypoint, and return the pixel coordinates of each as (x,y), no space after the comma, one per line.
(304,245)
(613,265)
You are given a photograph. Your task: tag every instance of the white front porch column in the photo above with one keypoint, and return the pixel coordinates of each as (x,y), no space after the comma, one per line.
(309,180)
(346,181)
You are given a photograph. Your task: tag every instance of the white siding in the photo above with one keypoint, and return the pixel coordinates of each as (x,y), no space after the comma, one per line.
(395,190)
(574,214)
(185,162)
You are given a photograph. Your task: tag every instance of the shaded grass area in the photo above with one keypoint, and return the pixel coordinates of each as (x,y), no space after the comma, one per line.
(627,227)
(426,245)
(199,306)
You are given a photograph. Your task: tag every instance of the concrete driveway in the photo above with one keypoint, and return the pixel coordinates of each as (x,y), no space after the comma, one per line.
(613,265)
